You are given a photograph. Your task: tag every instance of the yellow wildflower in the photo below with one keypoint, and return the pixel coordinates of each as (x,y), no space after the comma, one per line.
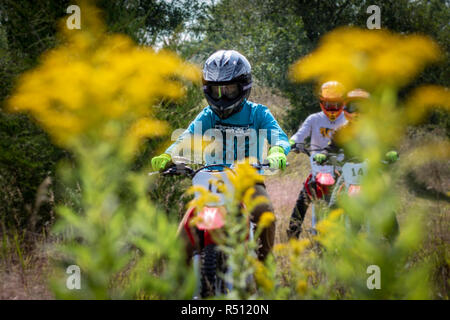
(99,85)
(243,178)
(248,196)
(204,198)
(425,97)
(335,214)
(298,246)
(361,58)
(144,128)
(280,248)
(302,286)
(266,219)
(324,226)
(262,276)
(250,202)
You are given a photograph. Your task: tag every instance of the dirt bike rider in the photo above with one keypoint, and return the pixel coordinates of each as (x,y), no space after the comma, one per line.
(319,127)
(351,112)
(227,83)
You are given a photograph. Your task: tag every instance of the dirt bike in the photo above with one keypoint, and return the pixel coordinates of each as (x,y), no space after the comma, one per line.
(320,182)
(352,172)
(350,179)
(349,174)
(209,262)
(349,182)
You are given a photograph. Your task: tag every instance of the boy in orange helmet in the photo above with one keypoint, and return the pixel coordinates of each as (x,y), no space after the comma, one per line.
(351,112)
(320,127)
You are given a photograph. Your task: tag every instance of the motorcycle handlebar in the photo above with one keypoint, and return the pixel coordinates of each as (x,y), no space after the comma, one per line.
(302,148)
(182,169)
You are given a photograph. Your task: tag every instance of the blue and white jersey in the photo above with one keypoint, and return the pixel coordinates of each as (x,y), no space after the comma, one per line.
(240,136)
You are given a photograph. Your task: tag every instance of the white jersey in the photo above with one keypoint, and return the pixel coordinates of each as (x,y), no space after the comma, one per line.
(319,128)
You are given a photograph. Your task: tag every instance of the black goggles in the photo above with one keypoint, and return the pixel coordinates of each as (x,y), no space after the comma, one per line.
(351,107)
(228,91)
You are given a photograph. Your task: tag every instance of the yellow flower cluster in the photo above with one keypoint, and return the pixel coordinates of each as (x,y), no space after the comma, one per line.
(425,97)
(361,58)
(329,225)
(298,246)
(204,198)
(266,219)
(100,85)
(243,178)
(262,276)
(298,257)
(293,248)
(302,286)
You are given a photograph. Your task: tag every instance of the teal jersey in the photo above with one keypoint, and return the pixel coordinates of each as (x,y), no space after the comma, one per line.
(240,136)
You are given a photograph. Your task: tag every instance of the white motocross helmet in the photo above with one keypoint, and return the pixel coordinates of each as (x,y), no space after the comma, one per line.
(227,82)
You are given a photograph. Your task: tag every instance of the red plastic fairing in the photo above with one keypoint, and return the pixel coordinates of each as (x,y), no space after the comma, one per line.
(354,190)
(325,179)
(320,191)
(210,218)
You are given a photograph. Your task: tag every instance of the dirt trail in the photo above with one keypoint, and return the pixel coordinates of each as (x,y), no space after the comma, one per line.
(283,190)
(16,284)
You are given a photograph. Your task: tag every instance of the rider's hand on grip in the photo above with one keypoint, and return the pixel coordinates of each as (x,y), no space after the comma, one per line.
(391,156)
(299,148)
(277,158)
(160,162)
(320,158)
(292,143)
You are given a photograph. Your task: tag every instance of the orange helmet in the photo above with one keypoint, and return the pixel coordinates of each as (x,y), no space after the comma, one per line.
(332,96)
(351,106)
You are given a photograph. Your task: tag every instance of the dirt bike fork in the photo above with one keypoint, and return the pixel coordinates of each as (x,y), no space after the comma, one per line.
(313,218)
(336,189)
(196,265)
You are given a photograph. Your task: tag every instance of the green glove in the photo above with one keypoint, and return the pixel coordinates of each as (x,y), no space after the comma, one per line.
(159,163)
(320,158)
(391,156)
(277,158)
(292,142)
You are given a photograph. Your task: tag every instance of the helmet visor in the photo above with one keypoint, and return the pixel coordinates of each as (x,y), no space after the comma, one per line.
(332,105)
(228,91)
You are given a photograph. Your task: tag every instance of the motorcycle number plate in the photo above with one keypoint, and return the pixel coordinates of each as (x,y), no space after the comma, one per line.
(354,172)
(317,168)
(210,180)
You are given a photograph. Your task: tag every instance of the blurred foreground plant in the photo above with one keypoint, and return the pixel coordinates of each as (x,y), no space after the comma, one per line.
(381,63)
(234,239)
(362,232)
(93,95)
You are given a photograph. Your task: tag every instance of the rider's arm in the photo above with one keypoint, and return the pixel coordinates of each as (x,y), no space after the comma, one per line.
(275,135)
(304,131)
(201,123)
